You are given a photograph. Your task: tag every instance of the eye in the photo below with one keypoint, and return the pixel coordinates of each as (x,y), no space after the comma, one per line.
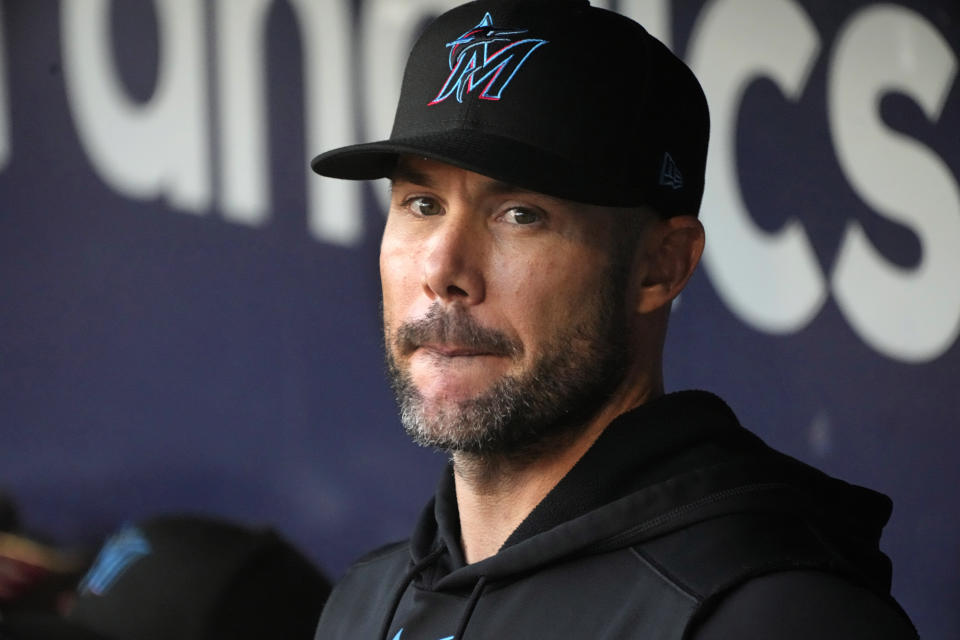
(521,216)
(424,206)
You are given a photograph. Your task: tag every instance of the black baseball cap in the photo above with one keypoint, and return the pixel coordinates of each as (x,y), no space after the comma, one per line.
(37,625)
(554,96)
(198,578)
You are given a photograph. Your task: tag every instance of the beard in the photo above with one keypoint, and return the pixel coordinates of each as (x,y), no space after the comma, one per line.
(523,416)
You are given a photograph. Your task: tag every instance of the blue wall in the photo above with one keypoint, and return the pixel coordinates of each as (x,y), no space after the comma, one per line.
(188,320)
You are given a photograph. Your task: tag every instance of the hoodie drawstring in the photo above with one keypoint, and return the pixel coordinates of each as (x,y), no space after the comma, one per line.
(471,605)
(409,577)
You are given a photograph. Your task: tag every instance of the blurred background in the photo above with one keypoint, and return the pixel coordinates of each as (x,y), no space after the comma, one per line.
(189,318)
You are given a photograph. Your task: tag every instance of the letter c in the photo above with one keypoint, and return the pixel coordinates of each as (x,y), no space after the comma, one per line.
(771,281)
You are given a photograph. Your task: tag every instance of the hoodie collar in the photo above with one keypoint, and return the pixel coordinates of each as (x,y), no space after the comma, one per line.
(614,465)
(631,453)
(672,461)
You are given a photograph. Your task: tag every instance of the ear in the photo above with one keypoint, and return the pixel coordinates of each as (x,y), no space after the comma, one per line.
(671,251)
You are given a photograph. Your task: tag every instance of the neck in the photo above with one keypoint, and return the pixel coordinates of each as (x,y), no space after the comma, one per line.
(495,494)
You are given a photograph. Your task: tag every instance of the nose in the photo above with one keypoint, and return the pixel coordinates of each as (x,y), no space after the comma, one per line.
(453,261)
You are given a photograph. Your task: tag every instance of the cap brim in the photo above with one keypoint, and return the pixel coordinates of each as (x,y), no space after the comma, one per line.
(496,157)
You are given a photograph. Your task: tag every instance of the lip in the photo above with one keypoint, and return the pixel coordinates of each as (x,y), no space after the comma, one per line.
(454,351)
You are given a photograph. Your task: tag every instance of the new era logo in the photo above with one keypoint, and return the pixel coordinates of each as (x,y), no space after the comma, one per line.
(670,175)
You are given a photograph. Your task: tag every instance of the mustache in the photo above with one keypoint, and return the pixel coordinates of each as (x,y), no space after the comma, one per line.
(454,327)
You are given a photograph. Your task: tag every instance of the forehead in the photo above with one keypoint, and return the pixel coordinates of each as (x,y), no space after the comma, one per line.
(435,173)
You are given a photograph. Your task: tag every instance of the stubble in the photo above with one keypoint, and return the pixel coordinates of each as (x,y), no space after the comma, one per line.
(520,417)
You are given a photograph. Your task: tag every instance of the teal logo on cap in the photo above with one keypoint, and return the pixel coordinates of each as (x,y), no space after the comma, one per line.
(121,551)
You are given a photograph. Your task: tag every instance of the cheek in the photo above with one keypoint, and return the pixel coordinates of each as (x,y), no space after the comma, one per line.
(548,292)
(399,280)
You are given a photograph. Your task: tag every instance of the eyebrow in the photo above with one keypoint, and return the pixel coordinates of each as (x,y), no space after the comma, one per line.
(406,174)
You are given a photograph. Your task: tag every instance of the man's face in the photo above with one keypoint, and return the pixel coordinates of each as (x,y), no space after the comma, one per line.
(504,310)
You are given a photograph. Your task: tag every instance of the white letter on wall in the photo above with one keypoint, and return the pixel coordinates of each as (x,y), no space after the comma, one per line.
(907,314)
(244,187)
(654,15)
(386,35)
(157,148)
(334,213)
(5,149)
(771,281)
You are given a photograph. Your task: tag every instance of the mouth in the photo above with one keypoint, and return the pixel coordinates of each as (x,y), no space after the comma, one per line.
(451,335)
(454,351)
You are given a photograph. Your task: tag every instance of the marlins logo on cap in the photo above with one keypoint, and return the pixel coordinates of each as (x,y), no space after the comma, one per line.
(485,54)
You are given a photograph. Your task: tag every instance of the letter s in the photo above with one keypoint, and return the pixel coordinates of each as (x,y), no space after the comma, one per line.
(907,314)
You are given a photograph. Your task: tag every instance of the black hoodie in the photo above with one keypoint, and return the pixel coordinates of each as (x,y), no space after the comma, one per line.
(677,523)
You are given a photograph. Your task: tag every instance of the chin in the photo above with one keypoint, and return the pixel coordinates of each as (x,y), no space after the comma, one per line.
(449,388)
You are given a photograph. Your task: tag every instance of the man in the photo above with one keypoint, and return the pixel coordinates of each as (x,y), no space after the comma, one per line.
(547,164)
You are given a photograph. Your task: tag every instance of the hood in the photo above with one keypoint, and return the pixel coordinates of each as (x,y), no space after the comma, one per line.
(678,460)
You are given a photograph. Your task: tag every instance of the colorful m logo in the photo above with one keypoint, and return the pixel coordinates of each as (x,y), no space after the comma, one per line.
(485,56)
